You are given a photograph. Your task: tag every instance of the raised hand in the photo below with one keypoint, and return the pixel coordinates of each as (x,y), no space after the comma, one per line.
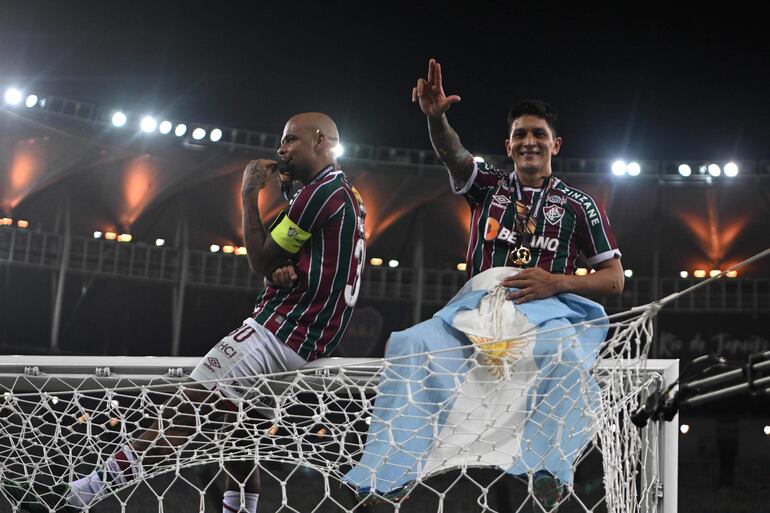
(256,174)
(430,93)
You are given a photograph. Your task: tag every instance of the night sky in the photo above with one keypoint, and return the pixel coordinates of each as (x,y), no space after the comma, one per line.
(648,85)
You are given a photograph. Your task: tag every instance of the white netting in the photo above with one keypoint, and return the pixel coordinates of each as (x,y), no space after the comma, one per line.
(307,429)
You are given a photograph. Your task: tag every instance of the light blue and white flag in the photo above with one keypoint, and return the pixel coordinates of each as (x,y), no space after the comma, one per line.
(485,383)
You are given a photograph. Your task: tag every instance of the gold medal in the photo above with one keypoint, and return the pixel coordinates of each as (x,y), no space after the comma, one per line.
(521,255)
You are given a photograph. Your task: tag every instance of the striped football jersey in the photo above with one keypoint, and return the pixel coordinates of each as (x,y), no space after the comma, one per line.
(570,223)
(327,218)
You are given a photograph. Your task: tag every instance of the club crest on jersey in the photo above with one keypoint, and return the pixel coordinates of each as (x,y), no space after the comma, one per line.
(553,213)
(492,228)
(555,198)
(291,232)
(500,200)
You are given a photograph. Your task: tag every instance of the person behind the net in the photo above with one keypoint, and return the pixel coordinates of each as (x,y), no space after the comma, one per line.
(527,217)
(299,315)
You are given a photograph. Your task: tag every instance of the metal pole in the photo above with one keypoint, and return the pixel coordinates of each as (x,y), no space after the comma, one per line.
(669,448)
(419,268)
(179,289)
(60,281)
(656,275)
(725,392)
(729,375)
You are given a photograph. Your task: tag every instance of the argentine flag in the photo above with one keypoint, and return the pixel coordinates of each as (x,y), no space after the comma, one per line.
(485,383)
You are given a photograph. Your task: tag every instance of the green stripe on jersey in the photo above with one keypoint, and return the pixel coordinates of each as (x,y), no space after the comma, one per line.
(559,262)
(347,233)
(316,201)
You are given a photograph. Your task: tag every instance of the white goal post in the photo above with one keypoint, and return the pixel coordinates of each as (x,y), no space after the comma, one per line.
(65,374)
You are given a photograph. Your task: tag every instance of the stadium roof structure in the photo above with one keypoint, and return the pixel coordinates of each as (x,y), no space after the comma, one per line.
(146,184)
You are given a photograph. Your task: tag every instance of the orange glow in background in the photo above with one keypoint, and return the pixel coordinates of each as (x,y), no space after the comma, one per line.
(368,191)
(27,165)
(139,188)
(462,215)
(715,242)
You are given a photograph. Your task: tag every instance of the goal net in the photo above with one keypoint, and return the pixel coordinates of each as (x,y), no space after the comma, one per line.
(450,429)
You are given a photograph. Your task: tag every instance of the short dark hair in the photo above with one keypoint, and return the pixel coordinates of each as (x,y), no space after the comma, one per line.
(537,108)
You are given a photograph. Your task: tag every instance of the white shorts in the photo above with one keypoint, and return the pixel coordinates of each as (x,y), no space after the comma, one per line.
(234,365)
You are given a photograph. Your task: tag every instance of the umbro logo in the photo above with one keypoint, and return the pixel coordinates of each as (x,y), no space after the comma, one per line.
(214,362)
(501,200)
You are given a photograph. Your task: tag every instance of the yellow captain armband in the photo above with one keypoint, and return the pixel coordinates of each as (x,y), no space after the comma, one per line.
(287,234)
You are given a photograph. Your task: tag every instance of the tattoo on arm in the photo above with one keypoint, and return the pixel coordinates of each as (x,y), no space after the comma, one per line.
(254,233)
(447,144)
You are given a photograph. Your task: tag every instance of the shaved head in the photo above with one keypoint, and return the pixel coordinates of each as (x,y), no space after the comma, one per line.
(308,144)
(315,121)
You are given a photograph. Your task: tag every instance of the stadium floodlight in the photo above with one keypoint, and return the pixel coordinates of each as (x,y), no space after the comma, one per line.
(22,223)
(375,261)
(684,170)
(98,234)
(714,272)
(110,235)
(339,150)
(699,273)
(240,251)
(629,273)
(214,248)
(119,119)
(684,429)
(714,170)
(125,237)
(683,274)
(160,242)
(393,263)
(767,430)
(165,127)
(731,169)
(731,274)
(180,130)
(198,134)
(216,135)
(148,124)
(31,101)
(633,169)
(228,249)
(618,168)
(462,266)
(13,96)
(478,159)
(581,271)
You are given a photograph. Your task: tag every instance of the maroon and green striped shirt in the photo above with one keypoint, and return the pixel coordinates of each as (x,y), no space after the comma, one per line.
(570,223)
(312,316)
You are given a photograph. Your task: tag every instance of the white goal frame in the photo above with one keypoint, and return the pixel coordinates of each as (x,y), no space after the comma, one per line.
(22,374)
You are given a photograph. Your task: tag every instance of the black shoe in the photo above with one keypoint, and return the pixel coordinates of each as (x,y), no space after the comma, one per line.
(37,499)
(547,490)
